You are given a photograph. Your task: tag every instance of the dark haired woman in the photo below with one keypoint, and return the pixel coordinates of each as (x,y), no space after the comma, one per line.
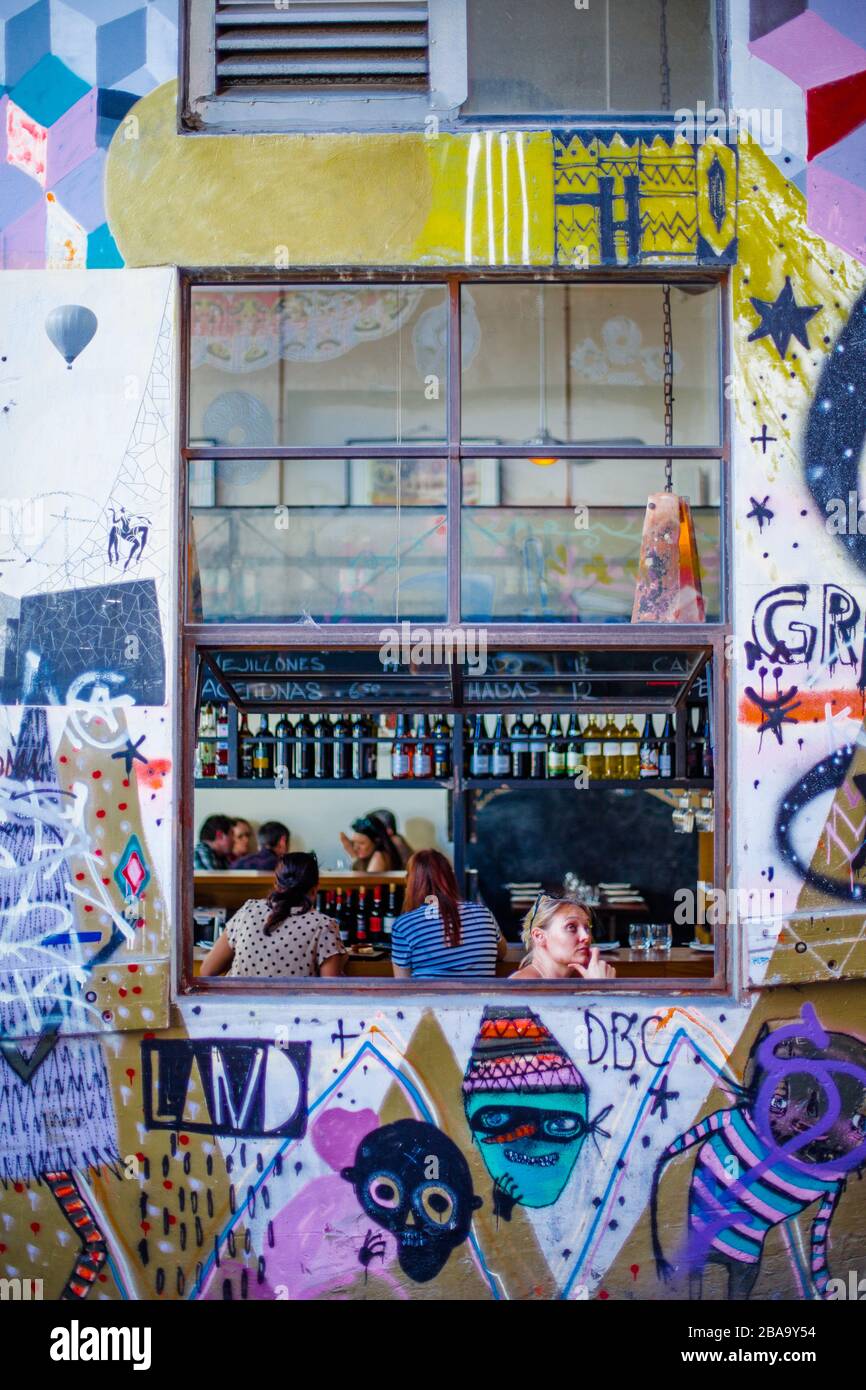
(371,847)
(283,934)
(438,934)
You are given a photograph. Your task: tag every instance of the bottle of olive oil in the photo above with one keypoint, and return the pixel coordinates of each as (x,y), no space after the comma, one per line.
(612,750)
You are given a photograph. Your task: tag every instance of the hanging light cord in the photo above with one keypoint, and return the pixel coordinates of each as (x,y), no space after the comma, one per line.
(668,360)
(664,56)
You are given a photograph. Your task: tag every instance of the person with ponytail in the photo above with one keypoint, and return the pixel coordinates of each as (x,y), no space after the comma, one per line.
(283,934)
(439,934)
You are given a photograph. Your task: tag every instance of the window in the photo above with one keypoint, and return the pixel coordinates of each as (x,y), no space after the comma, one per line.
(467,455)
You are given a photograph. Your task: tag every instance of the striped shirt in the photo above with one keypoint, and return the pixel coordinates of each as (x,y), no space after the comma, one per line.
(418,943)
(740,1190)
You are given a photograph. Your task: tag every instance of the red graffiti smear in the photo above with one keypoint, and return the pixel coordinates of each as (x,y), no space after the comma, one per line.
(153,773)
(130,1071)
(635,1270)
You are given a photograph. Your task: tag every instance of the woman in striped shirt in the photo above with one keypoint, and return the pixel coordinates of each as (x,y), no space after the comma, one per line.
(439,935)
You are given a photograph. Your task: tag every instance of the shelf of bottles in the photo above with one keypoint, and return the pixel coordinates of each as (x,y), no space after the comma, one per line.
(365,915)
(369,750)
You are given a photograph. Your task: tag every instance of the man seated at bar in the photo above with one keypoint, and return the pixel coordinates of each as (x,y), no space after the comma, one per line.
(273,844)
(389,820)
(214,843)
(438,935)
(242,839)
(371,847)
(283,934)
(557,934)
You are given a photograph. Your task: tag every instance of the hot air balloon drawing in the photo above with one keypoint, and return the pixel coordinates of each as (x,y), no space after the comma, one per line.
(70,328)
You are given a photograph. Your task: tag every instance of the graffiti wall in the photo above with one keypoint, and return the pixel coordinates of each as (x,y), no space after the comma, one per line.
(604,1146)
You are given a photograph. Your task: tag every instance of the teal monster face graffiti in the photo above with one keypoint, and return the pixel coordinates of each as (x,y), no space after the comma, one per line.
(527,1108)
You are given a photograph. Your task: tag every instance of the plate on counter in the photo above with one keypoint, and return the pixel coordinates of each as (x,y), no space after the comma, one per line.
(607,945)
(705,946)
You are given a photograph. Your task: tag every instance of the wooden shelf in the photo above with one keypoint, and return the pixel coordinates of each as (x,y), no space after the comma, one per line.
(265,784)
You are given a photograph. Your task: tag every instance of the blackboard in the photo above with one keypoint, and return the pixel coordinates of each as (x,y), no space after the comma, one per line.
(527,834)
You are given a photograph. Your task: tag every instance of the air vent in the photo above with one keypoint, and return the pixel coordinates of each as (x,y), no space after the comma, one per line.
(291,44)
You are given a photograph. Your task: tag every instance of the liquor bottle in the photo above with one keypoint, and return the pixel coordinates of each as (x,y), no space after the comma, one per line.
(592,751)
(537,748)
(245,749)
(361,917)
(519,747)
(263,751)
(630,749)
(422,749)
(342,760)
(479,752)
(357,734)
(556,746)
(374,923)
(283,750)
(649,750)
(305,753)
(401,756)
(500,762)
(611,750)
(390,915)
(370,724)
(323,749)
(441,747)
(574,747)
(222,746)
(707,760)
(207,733)
(666,749)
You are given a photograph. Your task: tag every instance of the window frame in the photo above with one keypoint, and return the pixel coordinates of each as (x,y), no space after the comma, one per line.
(193,636)
(201,111)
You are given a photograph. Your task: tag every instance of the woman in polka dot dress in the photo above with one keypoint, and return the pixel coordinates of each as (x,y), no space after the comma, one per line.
(283,934)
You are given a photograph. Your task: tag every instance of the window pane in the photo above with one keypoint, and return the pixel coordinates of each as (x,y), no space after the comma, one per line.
(335,540)
(316,366)
(563,542)
(584,364)
(550,56)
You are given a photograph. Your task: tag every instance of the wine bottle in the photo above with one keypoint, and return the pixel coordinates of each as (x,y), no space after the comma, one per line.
(556,746)
(707,760)
(649,750)
(245,749)
(574,747)
(305,753)
(370,758)
(222,745)
(479,756)
(342,761)
(694,745)
(282,749)
(358,752)
(611,750)
(592,750)
(375,919)
(401,760)
(422,749)
(361,917)
(537,748)
(441,747)
(630,749)
(666,748)
(342,919)
(207,736)
(519,747)
(263,751)
(390,916)
(500,762)
(323,749)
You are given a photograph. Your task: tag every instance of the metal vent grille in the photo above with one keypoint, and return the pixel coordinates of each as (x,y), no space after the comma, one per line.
(294,43)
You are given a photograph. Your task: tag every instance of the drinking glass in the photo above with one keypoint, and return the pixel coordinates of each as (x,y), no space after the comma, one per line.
(660,936)
(638,936)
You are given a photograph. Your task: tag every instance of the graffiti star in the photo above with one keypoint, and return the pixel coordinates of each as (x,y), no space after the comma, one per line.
(661,1097)
(783,319)
(130,753)
(763,439)
(760,511)
(778,710)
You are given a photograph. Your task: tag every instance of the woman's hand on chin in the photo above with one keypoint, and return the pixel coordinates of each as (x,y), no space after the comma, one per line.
(596,968)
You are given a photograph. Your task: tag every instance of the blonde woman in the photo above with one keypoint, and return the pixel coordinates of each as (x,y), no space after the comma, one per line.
(557,933)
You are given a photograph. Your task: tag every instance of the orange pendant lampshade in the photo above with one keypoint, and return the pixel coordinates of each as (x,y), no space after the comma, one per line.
(669,582)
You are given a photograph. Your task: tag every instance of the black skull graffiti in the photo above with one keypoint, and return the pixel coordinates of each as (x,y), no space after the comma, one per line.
(413,1180)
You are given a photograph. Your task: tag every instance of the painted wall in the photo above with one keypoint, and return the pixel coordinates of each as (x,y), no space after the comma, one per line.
(271,1149)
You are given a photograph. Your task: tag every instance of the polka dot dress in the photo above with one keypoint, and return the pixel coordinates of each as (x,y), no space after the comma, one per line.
(298,946)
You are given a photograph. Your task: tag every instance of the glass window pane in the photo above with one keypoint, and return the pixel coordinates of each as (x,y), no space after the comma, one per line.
(612,55)
(317,366)
(335,540)
(562,543)
(584,364)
